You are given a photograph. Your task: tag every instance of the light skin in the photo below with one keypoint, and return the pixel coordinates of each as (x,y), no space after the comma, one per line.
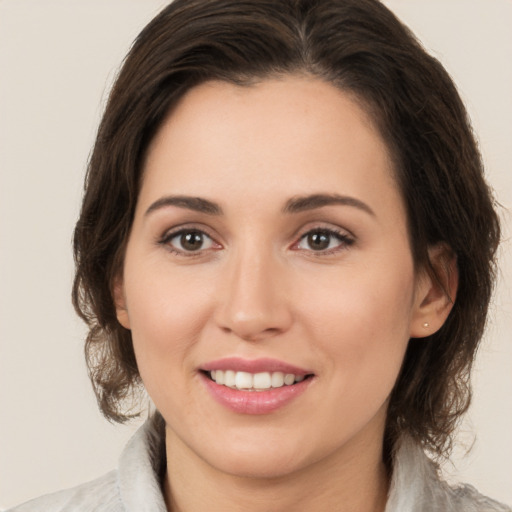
(300,253)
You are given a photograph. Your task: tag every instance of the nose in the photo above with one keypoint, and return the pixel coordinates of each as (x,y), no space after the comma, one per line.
(255,304)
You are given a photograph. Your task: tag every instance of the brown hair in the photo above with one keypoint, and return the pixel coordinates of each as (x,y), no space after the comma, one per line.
(360,47)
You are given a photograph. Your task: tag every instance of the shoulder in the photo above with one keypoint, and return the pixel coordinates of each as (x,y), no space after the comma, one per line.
(100,495)
(416,486)
(467,498)
(135,485)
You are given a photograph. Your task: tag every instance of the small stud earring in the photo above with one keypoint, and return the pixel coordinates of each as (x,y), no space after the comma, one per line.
(426,325)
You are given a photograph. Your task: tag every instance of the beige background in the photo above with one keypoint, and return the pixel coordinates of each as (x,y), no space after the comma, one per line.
(57,60)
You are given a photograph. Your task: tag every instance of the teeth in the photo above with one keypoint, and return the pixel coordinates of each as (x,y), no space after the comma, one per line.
(219,377)
(229,378)
(262,380)
(289,379)
(243,380)
(254,381)
(277,379)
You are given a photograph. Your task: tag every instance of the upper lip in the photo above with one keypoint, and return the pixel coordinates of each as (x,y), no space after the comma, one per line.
(254,366)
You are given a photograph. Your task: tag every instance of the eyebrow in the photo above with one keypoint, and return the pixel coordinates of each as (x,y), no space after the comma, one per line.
(311,202)
(294,205)
(197,204)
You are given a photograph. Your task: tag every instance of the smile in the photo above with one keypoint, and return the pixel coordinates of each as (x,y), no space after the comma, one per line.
(259,386)
(254,381)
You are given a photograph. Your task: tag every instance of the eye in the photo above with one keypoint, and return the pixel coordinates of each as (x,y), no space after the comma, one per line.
(324,240)
(188,241)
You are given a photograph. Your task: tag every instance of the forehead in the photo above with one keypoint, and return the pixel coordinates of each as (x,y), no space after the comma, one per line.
(293,135)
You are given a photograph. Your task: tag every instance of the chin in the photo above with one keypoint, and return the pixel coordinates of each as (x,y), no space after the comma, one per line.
(271,458)
(262,467)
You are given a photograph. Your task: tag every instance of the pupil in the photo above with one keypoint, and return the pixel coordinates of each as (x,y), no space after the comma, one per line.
(192,241)
(318,241)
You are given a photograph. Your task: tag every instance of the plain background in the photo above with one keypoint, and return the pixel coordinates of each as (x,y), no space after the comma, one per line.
(57,61)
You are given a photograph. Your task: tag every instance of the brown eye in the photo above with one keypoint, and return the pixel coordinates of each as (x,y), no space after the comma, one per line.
(324,240)
(318,241)
(190,240)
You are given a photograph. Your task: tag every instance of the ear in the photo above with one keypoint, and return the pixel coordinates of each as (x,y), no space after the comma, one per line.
(436,290)
(119,297)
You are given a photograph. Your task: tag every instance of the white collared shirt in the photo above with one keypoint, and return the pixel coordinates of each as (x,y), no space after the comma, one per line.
(136,485)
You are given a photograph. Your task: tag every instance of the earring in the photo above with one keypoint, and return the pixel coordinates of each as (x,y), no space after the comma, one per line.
(426,325)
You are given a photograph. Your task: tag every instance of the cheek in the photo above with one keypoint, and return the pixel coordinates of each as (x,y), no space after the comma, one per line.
(167,313)
(361,299)
(364,339)
(166,326)
(363,325)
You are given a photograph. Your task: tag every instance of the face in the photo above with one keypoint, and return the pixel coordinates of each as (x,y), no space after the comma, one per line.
(268,279)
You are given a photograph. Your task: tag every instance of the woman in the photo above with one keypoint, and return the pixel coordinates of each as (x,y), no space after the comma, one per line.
(287,239)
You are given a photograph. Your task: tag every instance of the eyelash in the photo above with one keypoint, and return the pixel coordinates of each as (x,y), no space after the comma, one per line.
(342,237)
(345,240)
(169,236)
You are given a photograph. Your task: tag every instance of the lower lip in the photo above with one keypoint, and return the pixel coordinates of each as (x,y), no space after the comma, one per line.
(255,402)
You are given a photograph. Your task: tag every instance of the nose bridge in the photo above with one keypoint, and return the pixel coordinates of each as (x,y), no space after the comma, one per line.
(254,303)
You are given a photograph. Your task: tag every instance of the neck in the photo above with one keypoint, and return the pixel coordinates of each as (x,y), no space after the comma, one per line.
(355,480)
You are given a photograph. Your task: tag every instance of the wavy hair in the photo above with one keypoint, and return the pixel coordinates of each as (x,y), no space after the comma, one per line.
(360,47)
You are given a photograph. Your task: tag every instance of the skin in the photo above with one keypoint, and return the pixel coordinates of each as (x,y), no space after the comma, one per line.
(258,288)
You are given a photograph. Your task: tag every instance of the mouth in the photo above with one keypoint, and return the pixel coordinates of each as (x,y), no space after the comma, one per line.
(254,387)
(261,381)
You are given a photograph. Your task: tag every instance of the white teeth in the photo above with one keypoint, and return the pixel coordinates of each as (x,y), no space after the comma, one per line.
(262,381)
(243,380)
(289,379)
(258,381)
(229,378)
(277,379)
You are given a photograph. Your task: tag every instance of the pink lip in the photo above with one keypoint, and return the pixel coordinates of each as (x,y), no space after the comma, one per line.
(254,402)
(254,366)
